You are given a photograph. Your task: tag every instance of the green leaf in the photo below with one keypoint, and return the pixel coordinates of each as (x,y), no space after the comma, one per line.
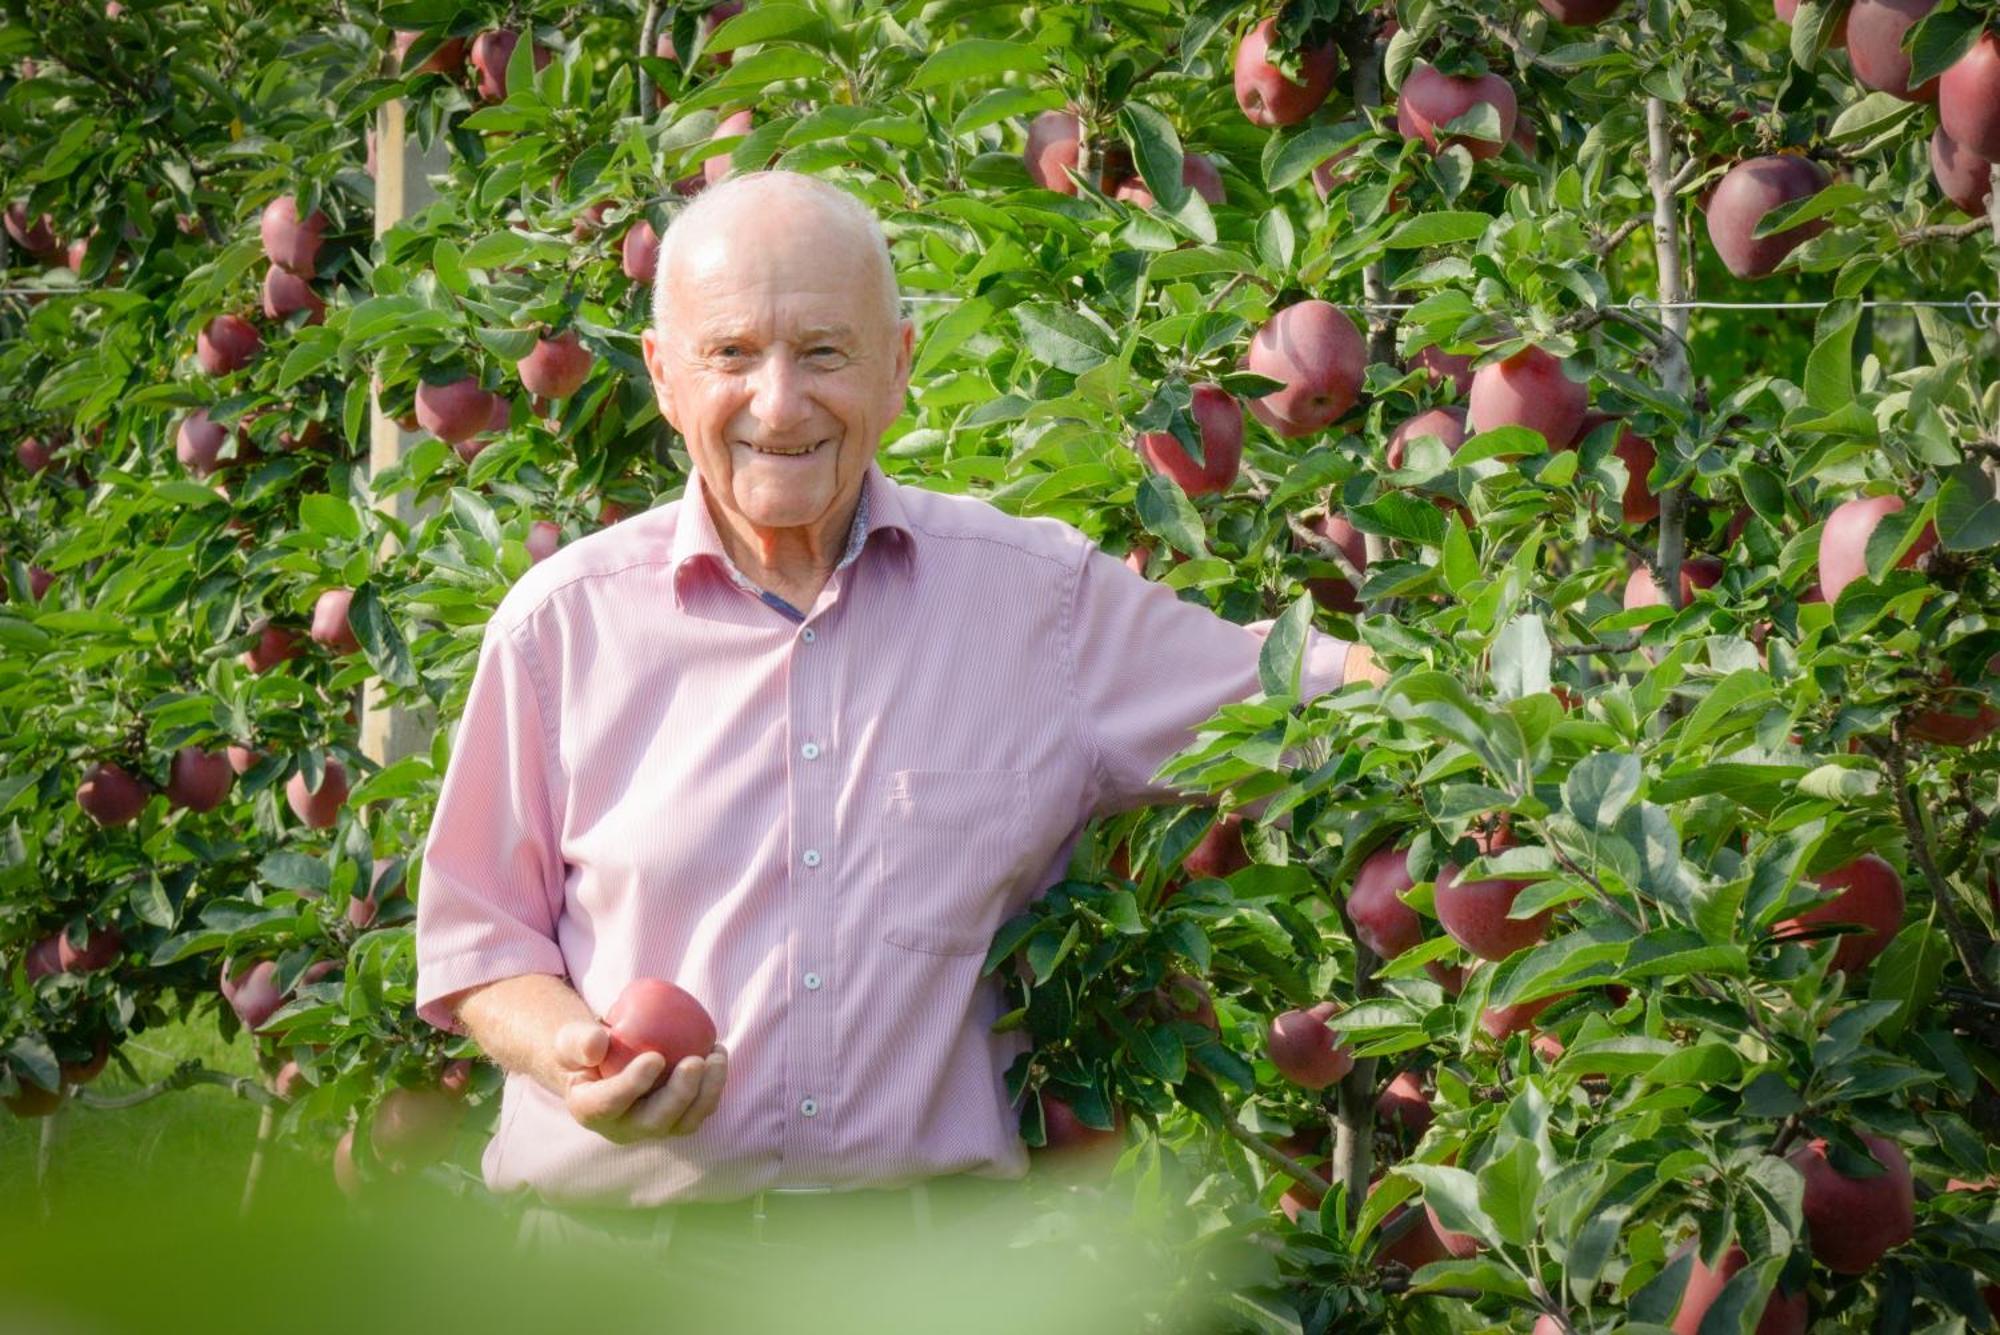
(1059,337)
(294,871)
(330,515)
(1282,656)
(1521,658)
(1453,1194)
(1908,972)
(1600,788)
(1437,229)
(1968,511)
(1830,367)
(977,58)
(380,641)
(1166,512)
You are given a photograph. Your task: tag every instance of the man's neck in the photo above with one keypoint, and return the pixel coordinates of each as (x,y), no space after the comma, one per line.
(787,558)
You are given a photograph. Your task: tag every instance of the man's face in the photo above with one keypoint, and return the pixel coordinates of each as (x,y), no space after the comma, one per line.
(780,371)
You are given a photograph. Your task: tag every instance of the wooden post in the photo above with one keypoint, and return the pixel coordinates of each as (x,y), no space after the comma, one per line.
(402,186)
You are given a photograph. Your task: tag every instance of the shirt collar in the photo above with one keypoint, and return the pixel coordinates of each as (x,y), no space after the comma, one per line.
(880,510)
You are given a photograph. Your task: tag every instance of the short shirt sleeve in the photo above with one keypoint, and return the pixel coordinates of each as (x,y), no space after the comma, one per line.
(1150,669)
(493,879)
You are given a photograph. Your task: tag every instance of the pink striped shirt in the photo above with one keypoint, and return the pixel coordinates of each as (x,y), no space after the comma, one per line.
(813,827)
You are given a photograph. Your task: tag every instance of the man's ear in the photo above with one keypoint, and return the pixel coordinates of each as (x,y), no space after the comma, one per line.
(906,334)
(652,351)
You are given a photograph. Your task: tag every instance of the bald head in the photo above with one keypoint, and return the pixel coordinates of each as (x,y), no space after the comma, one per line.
(746,210)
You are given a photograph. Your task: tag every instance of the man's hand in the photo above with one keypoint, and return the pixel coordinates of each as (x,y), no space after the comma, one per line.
(618,1107)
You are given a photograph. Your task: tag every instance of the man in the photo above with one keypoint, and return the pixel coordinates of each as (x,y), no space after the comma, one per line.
(799,743)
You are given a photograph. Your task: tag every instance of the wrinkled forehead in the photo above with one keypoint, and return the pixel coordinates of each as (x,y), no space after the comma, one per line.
(807,264)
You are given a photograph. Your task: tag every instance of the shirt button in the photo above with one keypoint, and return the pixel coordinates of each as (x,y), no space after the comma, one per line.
(810,1107)
(810,750)
(807,635)
(812,982)
(811,858)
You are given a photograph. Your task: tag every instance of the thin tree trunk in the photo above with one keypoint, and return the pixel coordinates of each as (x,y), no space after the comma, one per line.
(1676,377)
(266,1120)
(649,27)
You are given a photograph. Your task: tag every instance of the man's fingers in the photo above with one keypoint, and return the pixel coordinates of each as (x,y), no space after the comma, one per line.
(581,1044)
(608,1100)
(715,1072)
(658,1113)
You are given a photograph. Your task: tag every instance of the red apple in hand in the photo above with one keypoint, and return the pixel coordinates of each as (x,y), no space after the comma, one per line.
(1314,351)
(557,367)
(111,796)
(1266,96)
(1871,896)
(1306,1050)
(1529,389)
(1843,542)
(1750,190)
(227,343)
(1429,100)
(652,1015)
(318,808)
(329,622)
(291,242)
(1852,1221)
(198,780)
(1219,419)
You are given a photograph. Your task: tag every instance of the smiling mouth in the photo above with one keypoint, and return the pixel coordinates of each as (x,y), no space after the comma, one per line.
(796,453)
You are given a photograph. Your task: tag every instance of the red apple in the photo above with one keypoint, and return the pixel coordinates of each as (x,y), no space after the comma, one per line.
(447,59)
(1305,1048)
(39,581)
(1529,389)
(1403,1103)
(1750,190)
(1580,13)
(198,780)
(652,1015)
(1334,593)
(1460,1246)
(33,1100)
(557,367)
(1416,1243)
(1969,98)
(275,645)
(1966,718)
(1219,419)
(227,343)
(733,126)
(198,444)
(1786,9)
(1429,100)
(1875,52)
(640,251)
(1197,173)
(242,759)
(1474,913)
(456,1078)
(1316,353)
(455,410)
(285,293)
(543,538)
(252,993)
(1852,1221)
(1308,1148)
(101,949)
(1066,1137)
(1446,424)
(329,622)
(45,958)
(1843,542)
(110,796)
(1697,572)
(1267,97)
(319,808)
(1502,1022)
(1640,505)
(1784,1313)
(1382,921)
(289,1082)
(1220,853)
(1871,896)
(414,1128)
(491,50)
(1054,138)
(33,455)
(289,241)
(83,1072)
(345,1174)
(1965,178)
(37,238)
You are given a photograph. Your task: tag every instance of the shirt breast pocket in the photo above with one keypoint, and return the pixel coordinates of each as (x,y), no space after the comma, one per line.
(951,845)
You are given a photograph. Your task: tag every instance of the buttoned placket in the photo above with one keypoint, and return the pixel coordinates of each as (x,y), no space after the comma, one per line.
(813,783)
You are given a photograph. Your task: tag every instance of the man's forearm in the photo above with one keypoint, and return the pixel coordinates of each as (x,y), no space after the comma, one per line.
(515,1022)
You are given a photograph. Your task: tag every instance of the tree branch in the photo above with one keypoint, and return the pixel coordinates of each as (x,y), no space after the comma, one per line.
(1282,1162)
(1942,232)
(1968,947)
(649,28)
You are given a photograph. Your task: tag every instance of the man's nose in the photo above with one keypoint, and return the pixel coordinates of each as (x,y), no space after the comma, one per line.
(778,395)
